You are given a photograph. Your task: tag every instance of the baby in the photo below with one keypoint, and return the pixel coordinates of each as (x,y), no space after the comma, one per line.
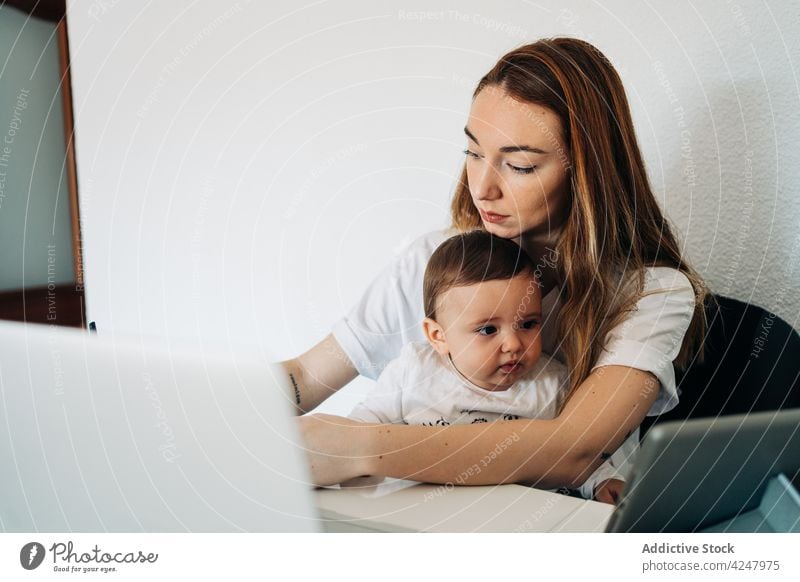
(482,361)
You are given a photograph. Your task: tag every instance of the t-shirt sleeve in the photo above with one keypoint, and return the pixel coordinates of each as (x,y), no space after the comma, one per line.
(390,312)
(652,335)
(384,404)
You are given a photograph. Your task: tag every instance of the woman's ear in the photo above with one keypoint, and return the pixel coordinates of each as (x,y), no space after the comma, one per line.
(435,335)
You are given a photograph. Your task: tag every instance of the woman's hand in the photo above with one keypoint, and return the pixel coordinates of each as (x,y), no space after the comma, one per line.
(609,491)
(335,447)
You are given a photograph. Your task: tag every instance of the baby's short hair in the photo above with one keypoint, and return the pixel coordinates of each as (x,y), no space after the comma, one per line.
(470,258)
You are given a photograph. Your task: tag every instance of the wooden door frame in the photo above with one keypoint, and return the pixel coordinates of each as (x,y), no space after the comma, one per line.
(69,134)
(38,304)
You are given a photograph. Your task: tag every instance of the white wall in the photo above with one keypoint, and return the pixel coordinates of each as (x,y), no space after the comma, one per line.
(246,171)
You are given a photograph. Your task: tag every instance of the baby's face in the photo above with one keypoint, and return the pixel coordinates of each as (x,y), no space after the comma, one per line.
(491,329)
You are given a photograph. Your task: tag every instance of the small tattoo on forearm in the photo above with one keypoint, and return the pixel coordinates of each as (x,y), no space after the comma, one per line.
(296,389)
(605,456)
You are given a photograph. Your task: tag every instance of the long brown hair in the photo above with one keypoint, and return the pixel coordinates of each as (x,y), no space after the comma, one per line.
(615,228)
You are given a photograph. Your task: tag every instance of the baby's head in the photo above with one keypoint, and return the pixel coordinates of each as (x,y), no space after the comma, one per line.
(483,308)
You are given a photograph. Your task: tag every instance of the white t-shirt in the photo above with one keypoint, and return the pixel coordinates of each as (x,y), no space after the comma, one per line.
(421,387)
(389,315)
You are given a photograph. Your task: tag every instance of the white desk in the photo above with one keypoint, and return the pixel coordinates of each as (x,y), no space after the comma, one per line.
(407,506)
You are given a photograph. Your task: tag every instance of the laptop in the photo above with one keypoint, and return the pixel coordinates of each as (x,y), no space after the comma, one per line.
(724,474)
(104,435)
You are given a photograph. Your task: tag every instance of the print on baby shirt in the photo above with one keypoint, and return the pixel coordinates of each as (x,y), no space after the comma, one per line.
(466,416)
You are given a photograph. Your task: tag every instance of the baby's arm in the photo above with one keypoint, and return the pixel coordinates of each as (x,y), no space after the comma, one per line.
(607,482)
(603,473)
(551,384)
(609,491)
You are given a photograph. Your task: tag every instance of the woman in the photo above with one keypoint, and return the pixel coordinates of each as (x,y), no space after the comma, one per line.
(552,163)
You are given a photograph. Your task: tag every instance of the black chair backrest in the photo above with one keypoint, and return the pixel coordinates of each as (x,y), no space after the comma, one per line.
(752,363)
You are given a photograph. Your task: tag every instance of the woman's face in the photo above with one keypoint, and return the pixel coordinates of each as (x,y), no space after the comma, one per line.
(517,166)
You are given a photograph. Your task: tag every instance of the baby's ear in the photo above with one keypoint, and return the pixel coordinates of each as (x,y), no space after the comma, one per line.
(435,335)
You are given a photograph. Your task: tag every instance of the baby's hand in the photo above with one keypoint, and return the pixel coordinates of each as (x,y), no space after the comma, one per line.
(609,491)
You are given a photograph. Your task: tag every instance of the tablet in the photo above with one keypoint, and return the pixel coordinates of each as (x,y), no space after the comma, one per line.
(702,474)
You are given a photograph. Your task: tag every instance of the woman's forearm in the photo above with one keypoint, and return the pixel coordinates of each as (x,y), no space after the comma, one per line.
(499,452)
(564,451)
(318,373)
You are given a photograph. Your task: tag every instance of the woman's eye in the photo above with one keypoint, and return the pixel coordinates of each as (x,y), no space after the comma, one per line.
(471,154)
(522,169)
(487,330)
(532,324)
